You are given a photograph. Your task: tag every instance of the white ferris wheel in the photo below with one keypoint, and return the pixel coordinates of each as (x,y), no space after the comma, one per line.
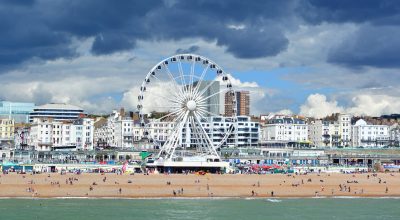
(183,92)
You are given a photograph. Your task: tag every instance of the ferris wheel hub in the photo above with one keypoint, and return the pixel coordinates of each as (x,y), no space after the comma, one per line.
(191,105)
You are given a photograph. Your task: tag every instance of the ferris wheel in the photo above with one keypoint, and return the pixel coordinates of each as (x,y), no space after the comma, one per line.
(182,93)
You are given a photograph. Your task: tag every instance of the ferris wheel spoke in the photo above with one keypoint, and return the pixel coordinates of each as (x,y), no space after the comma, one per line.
(200,81)
(179,116)
(172,78)
(199,95)
(210,145)
(171,141)
(162,83)
(180,69)
(170,114)
(206,105)
(191,76)
(207,112)
(180,131)
(163,97)
(199,139)
(217,93)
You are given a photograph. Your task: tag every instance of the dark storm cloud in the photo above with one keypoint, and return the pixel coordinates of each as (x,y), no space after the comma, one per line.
(109,42)
(44,29)
(370,46)
(25,36)
(339,11)
(375,44)
(191,49)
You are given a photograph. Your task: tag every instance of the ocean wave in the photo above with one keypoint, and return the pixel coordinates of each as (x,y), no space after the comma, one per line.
(274,200)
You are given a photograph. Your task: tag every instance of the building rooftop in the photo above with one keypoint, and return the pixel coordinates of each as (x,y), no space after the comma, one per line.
(58,106)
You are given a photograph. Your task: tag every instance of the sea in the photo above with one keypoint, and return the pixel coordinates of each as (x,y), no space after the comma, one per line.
(215,208)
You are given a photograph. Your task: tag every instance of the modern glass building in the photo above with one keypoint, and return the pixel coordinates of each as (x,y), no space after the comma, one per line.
(19,111)
(212,102)
(56,111)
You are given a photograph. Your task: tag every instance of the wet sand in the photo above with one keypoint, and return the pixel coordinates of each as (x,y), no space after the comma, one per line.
(193,185)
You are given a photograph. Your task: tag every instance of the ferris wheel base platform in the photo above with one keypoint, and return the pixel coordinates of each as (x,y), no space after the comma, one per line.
(182,166)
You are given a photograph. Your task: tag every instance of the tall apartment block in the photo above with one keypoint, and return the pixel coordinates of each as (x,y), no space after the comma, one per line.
(242,103)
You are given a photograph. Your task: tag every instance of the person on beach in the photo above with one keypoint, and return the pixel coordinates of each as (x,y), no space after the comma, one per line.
(120,190)
(387,189)
(272,193)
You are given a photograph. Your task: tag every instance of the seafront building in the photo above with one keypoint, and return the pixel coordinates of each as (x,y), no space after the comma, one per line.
(56,111)
(18,111)
(344,121)
(6,129)
(328,134)
(117,131)
(159,131)
(320,133)
(394,135)
(242,101)
(123,132)
(21,138)
(245,133)
(369,136)
(51,135)
(283,130)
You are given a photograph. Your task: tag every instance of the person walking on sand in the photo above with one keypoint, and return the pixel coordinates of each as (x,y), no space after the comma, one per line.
(272,193)
(387,189)
(120,190)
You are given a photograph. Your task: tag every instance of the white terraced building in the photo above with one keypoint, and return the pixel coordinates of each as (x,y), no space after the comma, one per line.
(160,131)
(285,130)
(118,132)
(58,112)
(47,134)
(370,136)
(345,134)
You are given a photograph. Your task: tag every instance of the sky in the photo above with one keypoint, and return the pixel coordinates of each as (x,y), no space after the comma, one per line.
(304,57)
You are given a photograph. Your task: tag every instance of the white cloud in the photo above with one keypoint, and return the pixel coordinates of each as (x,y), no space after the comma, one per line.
(374,105)
(284,112)
(318,106)
(157,97)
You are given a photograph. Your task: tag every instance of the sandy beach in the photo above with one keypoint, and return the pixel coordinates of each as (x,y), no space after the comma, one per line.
(193,185)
